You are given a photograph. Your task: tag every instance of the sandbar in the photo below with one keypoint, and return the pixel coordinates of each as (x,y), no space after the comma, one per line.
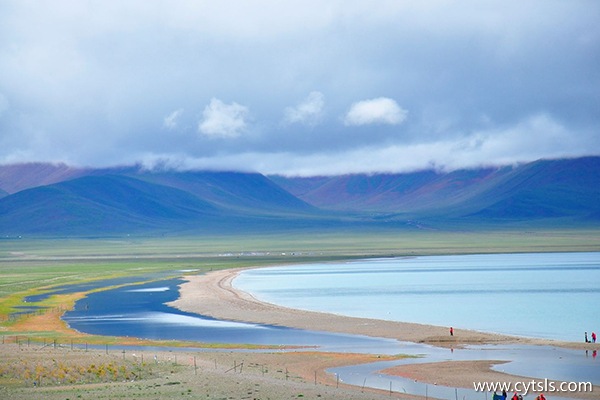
(213,295)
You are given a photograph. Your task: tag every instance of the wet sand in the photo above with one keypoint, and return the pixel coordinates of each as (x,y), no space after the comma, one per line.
(213,295)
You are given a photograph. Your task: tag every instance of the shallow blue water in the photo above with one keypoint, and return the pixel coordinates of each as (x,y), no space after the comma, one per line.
(547,295)
(140,311)
(527,361)
(87,286)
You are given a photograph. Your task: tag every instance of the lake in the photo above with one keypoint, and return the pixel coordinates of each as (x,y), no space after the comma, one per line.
(545,295)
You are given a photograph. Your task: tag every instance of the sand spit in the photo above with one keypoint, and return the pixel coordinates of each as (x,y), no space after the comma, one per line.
(213,295)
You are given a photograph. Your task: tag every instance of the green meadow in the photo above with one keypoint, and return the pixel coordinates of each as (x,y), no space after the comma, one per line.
(34,266)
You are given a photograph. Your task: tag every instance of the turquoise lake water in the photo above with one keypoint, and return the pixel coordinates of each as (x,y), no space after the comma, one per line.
(546,295)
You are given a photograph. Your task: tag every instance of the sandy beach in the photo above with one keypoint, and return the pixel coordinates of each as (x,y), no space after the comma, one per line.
(213,295)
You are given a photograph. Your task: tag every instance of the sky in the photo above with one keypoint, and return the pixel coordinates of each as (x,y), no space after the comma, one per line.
(299,88)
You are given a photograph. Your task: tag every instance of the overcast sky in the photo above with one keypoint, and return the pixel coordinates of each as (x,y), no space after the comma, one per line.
(299,87)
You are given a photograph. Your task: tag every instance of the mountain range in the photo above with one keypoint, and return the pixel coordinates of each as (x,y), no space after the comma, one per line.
(56,199)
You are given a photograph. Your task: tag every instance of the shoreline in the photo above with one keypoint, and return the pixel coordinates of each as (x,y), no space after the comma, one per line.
(213,295)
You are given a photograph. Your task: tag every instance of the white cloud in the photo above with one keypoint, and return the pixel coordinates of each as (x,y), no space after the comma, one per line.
(308,112)
(381,110)
(172,120)
(223,120)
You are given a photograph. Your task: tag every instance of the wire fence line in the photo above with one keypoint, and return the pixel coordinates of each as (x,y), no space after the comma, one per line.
(148,359)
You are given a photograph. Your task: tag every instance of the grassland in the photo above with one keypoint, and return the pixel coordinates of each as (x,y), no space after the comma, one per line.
(35,266)
(32,266)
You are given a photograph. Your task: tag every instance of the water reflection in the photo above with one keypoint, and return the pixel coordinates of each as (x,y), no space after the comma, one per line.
(140,311)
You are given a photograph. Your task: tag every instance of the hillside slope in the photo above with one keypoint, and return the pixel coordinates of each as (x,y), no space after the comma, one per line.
(242,192)
(17,177)
(104,204)
(545,188)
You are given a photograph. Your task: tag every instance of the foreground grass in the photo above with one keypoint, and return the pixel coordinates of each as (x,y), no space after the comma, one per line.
(58,373)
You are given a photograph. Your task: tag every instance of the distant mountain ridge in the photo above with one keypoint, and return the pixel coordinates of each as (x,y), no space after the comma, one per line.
(45,199)
(134,200)
(17,177)
(107,203)
(566,187)
(232,190)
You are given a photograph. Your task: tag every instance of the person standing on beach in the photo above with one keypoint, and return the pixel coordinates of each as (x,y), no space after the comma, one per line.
(451,331)
(593,337)
(586,338)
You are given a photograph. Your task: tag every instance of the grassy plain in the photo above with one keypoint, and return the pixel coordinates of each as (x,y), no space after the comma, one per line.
(32,266)
(35,266)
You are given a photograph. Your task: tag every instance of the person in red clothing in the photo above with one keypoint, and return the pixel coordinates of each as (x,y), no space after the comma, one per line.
(593,337)
(451,331)
(515,396)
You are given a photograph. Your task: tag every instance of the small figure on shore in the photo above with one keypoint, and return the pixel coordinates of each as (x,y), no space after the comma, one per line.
(541,397)
(504,394)
(451,331)
(515,396)
(586,338)
(593,337)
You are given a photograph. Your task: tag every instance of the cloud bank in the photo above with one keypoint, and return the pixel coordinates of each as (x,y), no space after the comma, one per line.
(301,87)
